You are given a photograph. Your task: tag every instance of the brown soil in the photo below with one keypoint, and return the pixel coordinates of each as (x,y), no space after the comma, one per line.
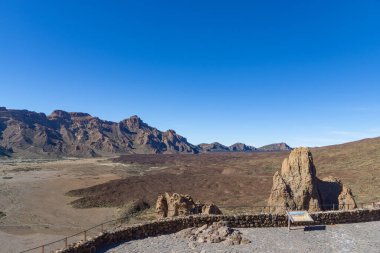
(228,179)
(35,204)
(32,193)
(234,179)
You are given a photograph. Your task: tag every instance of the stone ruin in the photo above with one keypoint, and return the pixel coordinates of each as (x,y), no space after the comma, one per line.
(296,186)
(180,205)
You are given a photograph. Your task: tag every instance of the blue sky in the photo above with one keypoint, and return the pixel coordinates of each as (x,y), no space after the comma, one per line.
(303,72)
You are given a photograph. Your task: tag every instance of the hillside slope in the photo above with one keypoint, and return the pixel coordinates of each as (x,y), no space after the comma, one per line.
(236,179)
(79,134)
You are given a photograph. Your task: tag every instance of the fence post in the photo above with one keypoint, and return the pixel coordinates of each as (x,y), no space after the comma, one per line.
(66,242)
(102,228)
(362,206)
(43,248)
(333,206)
(85,235)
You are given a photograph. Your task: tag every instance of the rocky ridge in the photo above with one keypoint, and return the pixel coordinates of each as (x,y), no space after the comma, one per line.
(63,133)
(213,147)
(30,134)
(276,147)
(241,147)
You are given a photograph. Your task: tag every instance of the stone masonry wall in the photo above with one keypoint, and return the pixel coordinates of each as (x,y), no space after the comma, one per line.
(173,225)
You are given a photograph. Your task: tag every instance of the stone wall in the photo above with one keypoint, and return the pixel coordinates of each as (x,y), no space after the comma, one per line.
(172,225)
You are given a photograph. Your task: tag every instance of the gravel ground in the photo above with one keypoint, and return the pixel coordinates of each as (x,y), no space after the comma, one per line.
(358,237)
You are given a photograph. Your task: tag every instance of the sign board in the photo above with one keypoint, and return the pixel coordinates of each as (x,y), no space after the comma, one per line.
(299,216)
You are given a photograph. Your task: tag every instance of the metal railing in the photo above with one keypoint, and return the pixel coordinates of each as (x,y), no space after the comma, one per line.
(95,230)
(83,235)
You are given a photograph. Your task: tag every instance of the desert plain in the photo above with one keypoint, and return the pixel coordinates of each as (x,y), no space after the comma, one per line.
(45,200)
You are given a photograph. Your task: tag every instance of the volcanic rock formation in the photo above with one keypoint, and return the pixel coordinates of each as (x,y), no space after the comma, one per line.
(180,205)
(296,186)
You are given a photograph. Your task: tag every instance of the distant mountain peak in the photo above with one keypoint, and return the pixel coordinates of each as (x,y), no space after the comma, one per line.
(135,117)
(241,147)
(282,146)
(213,147)
(79,114)
(60,114)
(134,123)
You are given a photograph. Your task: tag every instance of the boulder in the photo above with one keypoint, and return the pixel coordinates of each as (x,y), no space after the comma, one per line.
(181,205)
(161,206)
(296,187)
(210,209)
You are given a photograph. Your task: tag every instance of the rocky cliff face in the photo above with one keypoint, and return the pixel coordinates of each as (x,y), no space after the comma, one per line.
(62,133)
(296,186)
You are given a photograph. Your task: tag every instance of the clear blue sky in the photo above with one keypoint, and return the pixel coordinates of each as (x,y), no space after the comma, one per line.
(303,72)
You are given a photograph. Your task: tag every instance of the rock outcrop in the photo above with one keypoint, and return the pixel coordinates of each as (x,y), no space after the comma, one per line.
(181,205)
(296,186)
(217,232)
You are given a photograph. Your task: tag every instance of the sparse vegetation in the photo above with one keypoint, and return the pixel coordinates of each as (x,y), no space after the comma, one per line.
(235,179)
(26,169)
(133,208)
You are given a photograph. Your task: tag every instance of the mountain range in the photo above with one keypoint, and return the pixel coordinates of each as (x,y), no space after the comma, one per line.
(25,133)
(241,147)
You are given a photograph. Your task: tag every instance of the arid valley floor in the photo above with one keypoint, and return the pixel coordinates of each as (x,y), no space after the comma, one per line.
(44,200)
